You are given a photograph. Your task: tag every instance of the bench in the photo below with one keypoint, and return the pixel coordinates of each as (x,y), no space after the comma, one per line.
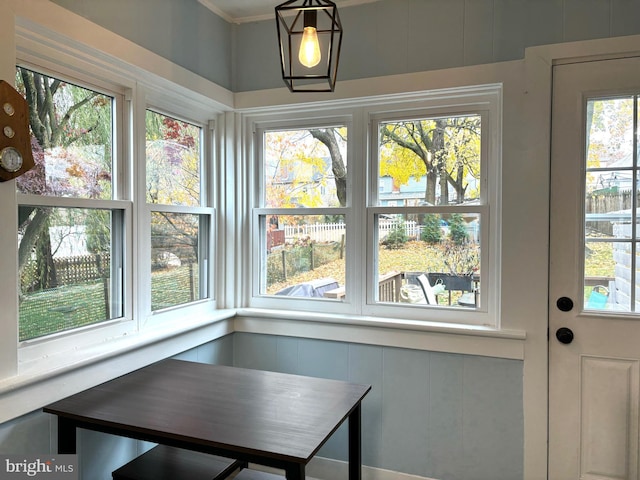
(168,463)
(256,475)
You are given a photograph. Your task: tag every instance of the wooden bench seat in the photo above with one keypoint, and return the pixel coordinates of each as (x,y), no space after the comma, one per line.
(247,474)
(167,463)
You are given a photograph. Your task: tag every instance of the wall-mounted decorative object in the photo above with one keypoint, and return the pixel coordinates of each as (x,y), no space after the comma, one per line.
(15,142)
(310,37)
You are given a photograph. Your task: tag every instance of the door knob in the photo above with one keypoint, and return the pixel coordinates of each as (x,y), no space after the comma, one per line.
(565,304)
(564,335)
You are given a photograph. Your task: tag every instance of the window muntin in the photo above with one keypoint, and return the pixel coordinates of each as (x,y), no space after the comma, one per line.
(179,228)
(429,181)
(70,231)
(302,213)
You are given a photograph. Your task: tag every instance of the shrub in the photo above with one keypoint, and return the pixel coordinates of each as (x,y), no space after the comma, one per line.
(397,237)
(457,230)
(431,231)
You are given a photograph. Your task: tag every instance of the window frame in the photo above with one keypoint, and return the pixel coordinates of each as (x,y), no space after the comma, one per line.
(32,349)
(160,101)
(131,96)
(364,115)
(259,211)
(437,313)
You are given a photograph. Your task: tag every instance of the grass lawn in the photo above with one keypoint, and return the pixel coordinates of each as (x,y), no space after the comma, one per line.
(415,256)
(72,306)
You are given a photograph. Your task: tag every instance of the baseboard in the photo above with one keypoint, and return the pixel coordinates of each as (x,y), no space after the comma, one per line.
(328,469)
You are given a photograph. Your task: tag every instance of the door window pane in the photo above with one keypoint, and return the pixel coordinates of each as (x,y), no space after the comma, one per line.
(611,198)
(68,278)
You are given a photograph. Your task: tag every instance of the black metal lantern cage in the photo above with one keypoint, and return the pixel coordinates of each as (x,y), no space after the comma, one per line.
(290,20)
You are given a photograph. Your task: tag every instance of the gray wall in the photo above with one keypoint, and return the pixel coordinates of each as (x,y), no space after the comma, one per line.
(381,38)
(438,415)
(406,36)
(183,31)
(444,416)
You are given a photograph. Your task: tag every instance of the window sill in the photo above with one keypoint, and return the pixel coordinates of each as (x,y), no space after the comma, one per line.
(392,332)
(56,376)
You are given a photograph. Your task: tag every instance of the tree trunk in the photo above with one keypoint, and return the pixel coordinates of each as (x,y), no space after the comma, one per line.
(327,136)
(438,153)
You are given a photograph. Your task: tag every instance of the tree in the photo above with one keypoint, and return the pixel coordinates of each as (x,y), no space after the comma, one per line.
(61,116)
(457,230)
(431,230)
(305,168)
(173,178)
(329,136)
(444,149)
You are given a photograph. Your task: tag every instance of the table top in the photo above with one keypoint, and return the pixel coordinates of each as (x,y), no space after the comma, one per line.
(280,416)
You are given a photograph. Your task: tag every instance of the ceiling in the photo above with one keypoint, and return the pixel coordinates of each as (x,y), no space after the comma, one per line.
(242,11)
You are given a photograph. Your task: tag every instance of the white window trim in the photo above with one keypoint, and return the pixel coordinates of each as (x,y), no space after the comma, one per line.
(164,102)
(484,99)
(257,129)
(41,49)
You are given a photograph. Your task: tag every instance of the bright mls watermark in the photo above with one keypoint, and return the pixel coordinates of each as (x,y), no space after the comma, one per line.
(49,467)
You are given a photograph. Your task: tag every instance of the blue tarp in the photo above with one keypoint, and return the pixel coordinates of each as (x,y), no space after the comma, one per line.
(313,288)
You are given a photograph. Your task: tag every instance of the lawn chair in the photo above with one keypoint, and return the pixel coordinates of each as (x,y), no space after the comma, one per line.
(429,294)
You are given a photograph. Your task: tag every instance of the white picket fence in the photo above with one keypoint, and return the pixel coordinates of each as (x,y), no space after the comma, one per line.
(333,232)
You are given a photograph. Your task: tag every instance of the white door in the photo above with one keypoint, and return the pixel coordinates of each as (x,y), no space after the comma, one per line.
(594,272)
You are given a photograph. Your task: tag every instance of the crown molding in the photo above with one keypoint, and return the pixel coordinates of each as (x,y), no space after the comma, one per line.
(211,5)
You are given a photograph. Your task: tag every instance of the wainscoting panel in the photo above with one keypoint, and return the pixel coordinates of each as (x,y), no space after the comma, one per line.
(429,414)
(609,413)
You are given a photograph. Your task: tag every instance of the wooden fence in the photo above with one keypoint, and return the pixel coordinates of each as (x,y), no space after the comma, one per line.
(609,202)
(81,268)
(619,285)
(333,232)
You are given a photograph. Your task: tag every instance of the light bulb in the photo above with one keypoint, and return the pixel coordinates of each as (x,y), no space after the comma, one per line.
(309,54)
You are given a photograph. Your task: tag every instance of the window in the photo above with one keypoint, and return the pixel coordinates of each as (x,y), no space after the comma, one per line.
(428,248)
(301,214)
(71,228)
(611,205)
(179,226)
(76,214)
(417,239)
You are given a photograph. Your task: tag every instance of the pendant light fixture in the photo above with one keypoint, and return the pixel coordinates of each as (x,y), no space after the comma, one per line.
(310,37)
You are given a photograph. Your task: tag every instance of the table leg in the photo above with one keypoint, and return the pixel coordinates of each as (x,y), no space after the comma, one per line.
(295,472)
(355,444)
(66,436)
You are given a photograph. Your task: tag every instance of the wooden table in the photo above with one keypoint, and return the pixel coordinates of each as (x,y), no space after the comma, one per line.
(267,418)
